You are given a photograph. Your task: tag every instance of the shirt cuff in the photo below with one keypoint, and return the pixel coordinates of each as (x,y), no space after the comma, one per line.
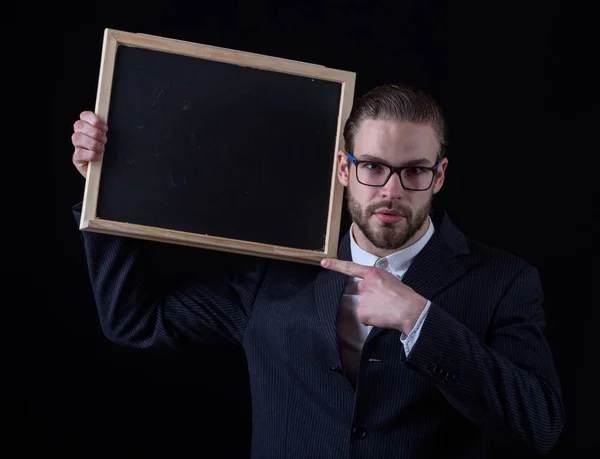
(408,341)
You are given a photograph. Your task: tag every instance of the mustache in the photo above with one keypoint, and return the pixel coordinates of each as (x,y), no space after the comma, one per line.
(391,205)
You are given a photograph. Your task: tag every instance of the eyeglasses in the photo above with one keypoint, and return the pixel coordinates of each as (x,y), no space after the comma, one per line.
(412,178)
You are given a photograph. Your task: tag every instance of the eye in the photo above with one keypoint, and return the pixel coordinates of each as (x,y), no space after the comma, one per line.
(372,166)
(414,170)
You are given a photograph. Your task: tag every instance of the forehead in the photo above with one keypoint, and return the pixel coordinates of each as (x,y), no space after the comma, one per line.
(395,141)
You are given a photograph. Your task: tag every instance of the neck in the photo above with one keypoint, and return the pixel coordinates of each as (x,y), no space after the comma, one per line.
(368,246)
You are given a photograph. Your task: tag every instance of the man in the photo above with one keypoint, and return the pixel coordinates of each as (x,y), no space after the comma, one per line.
(418,342)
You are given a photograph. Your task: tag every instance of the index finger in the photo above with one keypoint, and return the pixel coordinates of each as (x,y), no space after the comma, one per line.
(345,267)
(94,120)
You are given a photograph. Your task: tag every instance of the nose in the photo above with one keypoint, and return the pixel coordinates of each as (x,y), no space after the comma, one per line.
(393,188)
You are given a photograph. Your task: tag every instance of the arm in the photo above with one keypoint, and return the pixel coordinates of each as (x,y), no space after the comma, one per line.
(508,385)
(134,312)
(408,341)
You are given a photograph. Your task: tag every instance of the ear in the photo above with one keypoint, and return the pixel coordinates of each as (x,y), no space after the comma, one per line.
(343,167)
(440,175)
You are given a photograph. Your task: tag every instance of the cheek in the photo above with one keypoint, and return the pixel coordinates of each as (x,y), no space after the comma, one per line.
(362,195)
(421,200)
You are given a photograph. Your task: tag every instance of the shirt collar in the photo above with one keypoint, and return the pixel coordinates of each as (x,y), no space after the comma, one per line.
(399,261)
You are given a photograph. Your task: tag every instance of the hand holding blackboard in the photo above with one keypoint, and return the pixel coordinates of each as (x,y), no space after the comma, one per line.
(215,148)
(89,139)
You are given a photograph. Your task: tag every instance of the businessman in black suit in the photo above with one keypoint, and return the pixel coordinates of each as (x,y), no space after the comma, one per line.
(418,342)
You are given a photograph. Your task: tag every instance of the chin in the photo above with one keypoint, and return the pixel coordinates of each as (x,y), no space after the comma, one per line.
(376,223)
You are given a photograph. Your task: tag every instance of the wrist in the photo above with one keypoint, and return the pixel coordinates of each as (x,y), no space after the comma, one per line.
(411,318)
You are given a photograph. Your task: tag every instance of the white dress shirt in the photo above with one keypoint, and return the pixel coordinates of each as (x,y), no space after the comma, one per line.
(351,332)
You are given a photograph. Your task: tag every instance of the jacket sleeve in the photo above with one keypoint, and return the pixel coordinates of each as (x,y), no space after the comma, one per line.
(505,384)
(135,311)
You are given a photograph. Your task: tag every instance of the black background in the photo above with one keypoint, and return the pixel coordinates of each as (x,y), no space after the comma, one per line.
(518,83)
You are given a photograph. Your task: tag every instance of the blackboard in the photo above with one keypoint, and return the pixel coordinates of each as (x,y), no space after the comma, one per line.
(218,148)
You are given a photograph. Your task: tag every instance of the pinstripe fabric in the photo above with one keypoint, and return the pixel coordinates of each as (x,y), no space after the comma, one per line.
(480,373)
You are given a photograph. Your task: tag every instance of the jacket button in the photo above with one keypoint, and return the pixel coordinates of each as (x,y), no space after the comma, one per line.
(437,371)
(336,369)
(449,377)
(359,433)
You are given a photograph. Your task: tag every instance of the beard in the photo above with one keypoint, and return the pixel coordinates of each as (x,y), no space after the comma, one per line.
(389,236)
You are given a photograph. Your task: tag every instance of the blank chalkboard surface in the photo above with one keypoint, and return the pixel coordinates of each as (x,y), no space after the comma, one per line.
(218,148)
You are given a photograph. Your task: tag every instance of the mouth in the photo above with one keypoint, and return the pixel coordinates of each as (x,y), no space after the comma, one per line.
(388,215)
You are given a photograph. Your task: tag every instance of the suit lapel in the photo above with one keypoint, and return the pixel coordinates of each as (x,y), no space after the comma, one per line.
(329,288)
(437,265)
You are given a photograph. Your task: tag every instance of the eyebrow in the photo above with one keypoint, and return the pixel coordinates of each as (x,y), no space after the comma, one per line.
(409,163)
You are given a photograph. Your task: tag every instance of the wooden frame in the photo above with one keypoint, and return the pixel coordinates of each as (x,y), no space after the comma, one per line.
(89,220)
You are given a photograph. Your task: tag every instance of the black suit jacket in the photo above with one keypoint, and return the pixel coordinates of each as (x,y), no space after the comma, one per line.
(480,373)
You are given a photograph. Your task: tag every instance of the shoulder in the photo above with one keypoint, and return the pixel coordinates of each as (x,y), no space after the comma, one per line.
(500,259)
(504,269)
(499,274)
(476,254)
